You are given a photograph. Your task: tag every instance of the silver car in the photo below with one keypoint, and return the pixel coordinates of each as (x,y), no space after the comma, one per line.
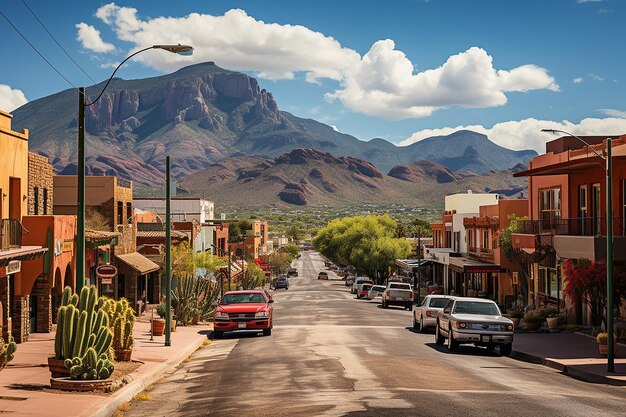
(425,314)
(474,321)
(376,291)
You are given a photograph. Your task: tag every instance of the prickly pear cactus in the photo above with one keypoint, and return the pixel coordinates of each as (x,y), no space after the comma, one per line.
(7,350)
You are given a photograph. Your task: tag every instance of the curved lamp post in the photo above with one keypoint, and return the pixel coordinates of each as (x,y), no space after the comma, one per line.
(80,200)
(609,241)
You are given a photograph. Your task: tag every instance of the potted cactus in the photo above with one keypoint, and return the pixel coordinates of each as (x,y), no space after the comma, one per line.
(123,324)
(89,372)
(7,350)
(603,343)
(533,320)
(82,324)
(158,325)
(515,314)
(551,315)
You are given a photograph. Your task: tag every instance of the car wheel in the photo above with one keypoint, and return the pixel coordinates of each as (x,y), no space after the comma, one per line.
(453,345)
(415,325)
(267,332)
(505,350)
(438,337)
(217,334)
(385,305)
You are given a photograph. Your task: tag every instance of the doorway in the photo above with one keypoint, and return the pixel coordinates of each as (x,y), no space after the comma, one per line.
(15,198)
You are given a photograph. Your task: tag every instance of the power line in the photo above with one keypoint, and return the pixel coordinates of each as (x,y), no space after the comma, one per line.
(36,50)
(57,42)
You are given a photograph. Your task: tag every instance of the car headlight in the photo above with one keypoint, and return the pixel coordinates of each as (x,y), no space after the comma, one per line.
(221,315)
(460,325)
(506,327)
(262,314)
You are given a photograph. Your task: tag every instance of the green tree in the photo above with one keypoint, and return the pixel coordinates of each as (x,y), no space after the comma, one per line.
(237,229)
(294,233)
(279,262)
(368,243)
(255,277)
(292,250)
(505,239)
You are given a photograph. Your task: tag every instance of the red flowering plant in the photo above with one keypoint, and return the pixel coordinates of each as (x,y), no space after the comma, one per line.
(585,280)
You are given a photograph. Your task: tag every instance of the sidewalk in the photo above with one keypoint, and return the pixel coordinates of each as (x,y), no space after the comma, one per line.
(25,382)
(572,353)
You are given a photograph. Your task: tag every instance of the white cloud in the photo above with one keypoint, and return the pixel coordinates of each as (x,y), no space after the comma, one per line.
(90,38)
(614,113)
(578,80)
(596,77)
(526,134)
(10,98)
(382,83)
(109,65)
(588,1)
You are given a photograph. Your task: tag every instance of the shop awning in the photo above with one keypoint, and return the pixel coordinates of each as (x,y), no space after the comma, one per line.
(470,265)
(95,238)
(138,262)
(409,264)
(23,253)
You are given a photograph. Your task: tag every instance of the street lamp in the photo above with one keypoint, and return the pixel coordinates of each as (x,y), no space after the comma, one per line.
(609,241)
(80,197)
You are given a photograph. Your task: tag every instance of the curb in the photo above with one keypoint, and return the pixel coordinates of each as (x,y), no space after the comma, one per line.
(569,371)
(125,394)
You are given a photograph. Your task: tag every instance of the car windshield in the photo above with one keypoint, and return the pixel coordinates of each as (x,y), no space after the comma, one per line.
(438,302)
(243,298)
(367,287)
(323,273)
(378,288)
(400,286)
(476,307)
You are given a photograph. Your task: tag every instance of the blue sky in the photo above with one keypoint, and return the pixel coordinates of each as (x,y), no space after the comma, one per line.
(400,70)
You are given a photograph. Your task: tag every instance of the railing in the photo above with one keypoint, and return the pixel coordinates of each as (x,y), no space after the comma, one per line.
(10,234)
(480,252)
(579,226)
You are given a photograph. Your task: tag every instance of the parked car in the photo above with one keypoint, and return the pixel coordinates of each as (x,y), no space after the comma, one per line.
(292,272)
(425,315)
(363,290)
(376,291)
(349,280)
(322,275)
(474,321)
(360,281)
(282,282)
(398,294)
(244,310)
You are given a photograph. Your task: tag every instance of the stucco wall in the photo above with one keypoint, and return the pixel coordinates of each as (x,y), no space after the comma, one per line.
(13,163)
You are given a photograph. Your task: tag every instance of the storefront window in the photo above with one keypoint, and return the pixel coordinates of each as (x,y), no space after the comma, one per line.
(550,207)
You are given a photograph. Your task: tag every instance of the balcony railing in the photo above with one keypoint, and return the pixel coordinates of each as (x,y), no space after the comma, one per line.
(10,234)
(480,252)
(579,226)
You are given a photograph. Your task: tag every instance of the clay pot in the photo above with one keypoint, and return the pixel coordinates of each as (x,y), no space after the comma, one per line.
(533,326)
(158,327)
(553,322)
(604,349)
(515,321)
(67,384)
(123,355)
(57,367)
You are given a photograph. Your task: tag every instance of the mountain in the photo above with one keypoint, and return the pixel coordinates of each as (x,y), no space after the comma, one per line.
(424,171)
(314,178)
(203,114)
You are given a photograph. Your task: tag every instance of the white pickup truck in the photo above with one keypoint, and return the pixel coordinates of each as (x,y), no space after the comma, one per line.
(399,294)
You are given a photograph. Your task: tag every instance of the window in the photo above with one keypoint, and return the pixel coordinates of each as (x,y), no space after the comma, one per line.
(582,208)
(550,282)
(550,207)
(470,238)
(596,208)
(36,201)
(45,201)
(129,212)
(120,213)
(485,239)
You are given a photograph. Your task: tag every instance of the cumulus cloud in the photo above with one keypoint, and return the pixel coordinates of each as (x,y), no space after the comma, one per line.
(526,134)
(90,38)
(588,1)
(11,99)
(614,113)
(382,83)
(578,80)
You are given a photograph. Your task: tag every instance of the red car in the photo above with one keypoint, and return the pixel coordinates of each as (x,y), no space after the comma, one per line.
(244,310)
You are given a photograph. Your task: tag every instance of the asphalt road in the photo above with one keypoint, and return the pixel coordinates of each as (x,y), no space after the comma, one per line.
(333,355)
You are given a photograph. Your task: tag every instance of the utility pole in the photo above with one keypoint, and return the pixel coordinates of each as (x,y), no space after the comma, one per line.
(609,257)
(80,194)
(168,249)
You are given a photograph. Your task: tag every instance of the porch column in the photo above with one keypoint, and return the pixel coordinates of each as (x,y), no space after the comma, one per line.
(7,322)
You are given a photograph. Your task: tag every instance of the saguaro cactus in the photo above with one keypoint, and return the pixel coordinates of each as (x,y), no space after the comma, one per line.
(7,350)
(124,317)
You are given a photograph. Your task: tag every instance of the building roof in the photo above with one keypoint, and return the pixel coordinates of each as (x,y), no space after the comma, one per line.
(138,262)
(465,264)
(23,253)
(161,234)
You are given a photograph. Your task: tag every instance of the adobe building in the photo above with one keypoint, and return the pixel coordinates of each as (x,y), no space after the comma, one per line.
(14,300)
(137,277)
(567,210)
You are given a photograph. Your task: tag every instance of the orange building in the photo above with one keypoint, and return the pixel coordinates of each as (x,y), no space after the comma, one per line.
(567,195)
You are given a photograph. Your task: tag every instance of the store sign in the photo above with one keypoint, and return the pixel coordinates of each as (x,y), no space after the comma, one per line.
(11,268)
(68,245)
(106,272)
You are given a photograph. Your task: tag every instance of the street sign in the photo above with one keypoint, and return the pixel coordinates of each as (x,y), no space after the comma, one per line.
(11,268)
(106,271)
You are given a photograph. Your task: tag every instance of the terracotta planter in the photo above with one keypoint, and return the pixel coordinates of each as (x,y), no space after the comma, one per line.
(57,368)
(123,355)
(533,326)
(67,384)
(604,349)
(553,322)
(158,327)
(515,321)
